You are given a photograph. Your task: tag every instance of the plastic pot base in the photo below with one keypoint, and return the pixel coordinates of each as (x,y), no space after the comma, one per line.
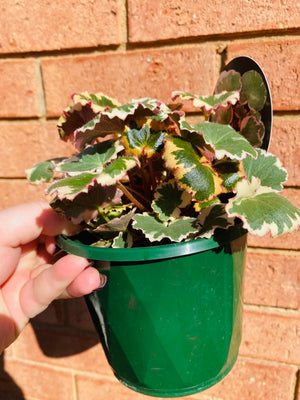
(177,393)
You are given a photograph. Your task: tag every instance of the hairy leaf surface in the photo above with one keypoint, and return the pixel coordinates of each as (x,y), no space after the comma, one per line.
(41,172)
(92,158)
(225,140)
(156,230)
(209,103)
(263,210)
(267,168)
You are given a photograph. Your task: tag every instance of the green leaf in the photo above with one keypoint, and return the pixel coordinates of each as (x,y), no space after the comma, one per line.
(267,168)
(98,98)
(143,141)
(209,103)
(156,230)
(230,180)
(190,169)
(213,217)
(116,170)
(263,210)
(253,90)
(70,187)
(41,172)
(225,140)
(229,81)
(92,158)
(123,240)
(168,200)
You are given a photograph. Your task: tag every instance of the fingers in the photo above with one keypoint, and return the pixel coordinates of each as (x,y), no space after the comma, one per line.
(26,222)
(52,282)
(86,282)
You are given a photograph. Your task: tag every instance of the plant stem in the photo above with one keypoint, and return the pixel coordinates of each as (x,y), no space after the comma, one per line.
(130,196)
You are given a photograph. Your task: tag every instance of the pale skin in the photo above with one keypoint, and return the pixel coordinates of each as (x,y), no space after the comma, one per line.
(30,276)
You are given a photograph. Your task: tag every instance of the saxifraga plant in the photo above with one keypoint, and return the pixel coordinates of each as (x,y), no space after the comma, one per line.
(142,174)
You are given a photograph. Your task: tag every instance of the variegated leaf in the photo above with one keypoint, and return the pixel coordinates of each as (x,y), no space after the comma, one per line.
(253,130)
(169,199)
(86,107)
(209,103)
(116,170)
(213,217)
(85,206)
(92,158)
(156,230)
(229,81)
(267,168)
(225,140)
(115,223)
(262,210)
(98,127)
(41,172)
(143,141)
(69,188)
(192,171)
(123,240)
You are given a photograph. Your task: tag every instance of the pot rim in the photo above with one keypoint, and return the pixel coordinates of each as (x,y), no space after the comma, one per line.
(74,246)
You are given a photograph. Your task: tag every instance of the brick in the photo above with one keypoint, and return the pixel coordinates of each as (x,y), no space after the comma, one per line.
(147,73)
(40,382)
(285,144)
(28,143)
(271,335)
(84,24)
(254,380)
(17,191)
(61,347)
(281,69)
(288,241)
(272,279)
(153,20)
(9,390)
(18,89)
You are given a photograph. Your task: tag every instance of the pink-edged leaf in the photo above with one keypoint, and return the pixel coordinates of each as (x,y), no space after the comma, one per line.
(209,104)
(85,206)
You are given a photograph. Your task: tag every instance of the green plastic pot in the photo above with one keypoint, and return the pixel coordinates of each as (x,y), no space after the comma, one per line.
(169,317)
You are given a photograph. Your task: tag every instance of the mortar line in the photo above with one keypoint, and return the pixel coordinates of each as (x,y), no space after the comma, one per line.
(214,39)
(272,309)
(274,250)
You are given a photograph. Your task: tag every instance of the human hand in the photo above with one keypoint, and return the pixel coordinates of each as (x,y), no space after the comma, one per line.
(30,278)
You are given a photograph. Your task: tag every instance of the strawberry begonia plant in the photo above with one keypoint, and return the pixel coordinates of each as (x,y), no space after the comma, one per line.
(141,173)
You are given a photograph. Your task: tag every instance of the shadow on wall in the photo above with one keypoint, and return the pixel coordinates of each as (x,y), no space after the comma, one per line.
(65,329)
(9,390)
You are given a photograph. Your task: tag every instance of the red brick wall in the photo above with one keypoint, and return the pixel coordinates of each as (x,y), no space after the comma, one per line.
(130,49)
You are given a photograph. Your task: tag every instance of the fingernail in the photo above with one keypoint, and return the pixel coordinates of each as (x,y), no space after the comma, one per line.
(89,265)
(103,280)
(56,250)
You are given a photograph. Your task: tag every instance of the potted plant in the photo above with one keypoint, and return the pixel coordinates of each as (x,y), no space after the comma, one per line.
(166,205)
